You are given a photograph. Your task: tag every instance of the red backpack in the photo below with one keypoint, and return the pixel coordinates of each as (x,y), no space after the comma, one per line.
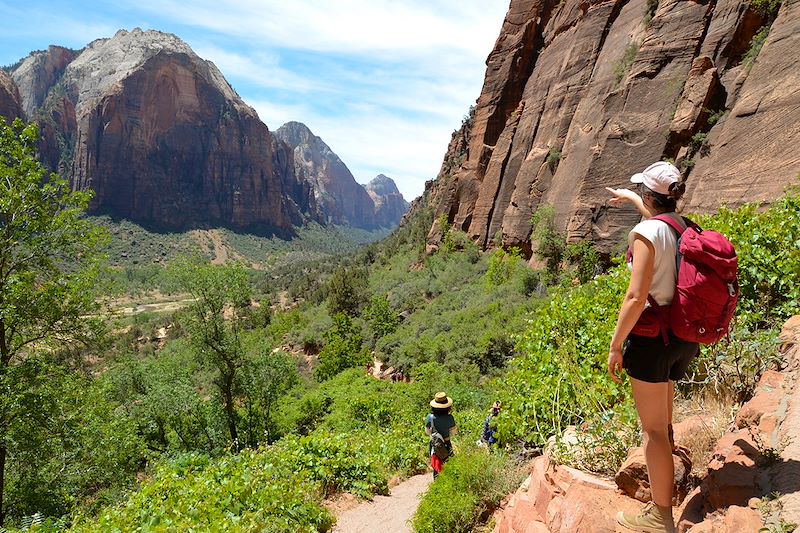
(707,289)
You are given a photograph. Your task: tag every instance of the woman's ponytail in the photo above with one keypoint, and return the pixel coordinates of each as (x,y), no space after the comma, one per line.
(676,190)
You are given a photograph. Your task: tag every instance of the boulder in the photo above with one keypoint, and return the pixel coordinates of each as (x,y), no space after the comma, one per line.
(631,478)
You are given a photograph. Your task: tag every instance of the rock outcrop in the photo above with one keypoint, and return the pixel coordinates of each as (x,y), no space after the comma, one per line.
(160,136)
(580,95)
(340,198)
(390,206)
(39,73)
(10,104)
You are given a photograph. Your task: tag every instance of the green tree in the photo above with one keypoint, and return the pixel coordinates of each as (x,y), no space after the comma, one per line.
(344,348)
(550,245)
(215,321)
(347,290)
(381,318)
(265,378)
(50,258)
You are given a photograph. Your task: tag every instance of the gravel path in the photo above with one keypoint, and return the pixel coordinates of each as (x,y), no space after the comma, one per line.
(385,514)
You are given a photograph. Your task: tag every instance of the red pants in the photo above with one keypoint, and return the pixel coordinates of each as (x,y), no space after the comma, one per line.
(436,463)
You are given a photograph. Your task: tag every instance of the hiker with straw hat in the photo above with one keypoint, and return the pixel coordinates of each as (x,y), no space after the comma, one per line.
(440,426)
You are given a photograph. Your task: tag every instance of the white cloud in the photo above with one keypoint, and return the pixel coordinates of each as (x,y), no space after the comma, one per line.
(346,26)
(263,70)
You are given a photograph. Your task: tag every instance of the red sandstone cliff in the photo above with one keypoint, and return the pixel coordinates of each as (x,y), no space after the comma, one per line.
(160,136)
(10,103)
(579,95)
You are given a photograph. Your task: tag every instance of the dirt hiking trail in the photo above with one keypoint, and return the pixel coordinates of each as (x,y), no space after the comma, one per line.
(387,514)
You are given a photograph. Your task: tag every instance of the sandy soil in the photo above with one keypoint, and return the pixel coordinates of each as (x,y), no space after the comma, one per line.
(387,514)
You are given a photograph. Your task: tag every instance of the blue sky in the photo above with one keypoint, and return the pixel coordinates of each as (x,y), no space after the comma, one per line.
(383,82)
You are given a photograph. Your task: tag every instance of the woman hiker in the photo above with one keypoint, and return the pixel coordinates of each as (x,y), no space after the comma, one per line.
(440,420)
(652,366)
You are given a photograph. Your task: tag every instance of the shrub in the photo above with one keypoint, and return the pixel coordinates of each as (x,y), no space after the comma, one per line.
(470,487)
(343,349)
(561,377)
(553,157)
(624,63)
(502,266)
(584,259)
(756,44)
(252,490)
(550,243)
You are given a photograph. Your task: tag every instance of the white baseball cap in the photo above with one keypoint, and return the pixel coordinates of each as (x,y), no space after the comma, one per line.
(658,177)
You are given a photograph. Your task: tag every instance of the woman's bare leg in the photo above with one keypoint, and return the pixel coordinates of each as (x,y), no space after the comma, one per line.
(654,407)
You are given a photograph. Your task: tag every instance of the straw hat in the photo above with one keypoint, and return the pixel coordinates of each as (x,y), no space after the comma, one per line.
(441,401)
(496,406)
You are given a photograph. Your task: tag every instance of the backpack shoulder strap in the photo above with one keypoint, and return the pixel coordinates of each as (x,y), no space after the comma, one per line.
(671,222)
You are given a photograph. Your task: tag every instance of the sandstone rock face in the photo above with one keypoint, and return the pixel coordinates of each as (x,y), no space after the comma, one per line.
(339,197)
(580,95)
(390,206)
(10,104)
(162,138)
(39,73)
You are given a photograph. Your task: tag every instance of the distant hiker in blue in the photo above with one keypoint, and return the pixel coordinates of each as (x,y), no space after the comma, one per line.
(440,426)
(489,433)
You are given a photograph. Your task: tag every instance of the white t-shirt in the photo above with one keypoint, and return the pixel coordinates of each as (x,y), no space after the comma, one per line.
(664,241)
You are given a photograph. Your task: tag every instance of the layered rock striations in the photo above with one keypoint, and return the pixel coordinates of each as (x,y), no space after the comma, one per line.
(160,136)
(340,198)
(580,95)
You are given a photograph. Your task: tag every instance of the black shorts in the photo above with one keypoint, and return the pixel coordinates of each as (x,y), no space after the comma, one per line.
(647,359)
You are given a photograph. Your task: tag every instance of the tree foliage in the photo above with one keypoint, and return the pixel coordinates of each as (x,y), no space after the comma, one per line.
(347,289)
(215,321)
(344,348)
(50,258)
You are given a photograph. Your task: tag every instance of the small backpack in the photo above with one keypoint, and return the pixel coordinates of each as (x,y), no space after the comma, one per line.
(707,288)
(439,445)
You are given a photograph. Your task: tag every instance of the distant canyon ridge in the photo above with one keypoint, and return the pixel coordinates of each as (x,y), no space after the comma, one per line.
(579,95)
(164,140)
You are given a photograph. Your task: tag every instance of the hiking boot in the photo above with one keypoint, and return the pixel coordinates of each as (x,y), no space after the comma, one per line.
(652,520)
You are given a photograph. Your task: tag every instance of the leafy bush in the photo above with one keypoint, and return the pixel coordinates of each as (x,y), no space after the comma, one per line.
(602,443)
(624,64)
(767,243)
(502,266)
(584,259)
(343,349)
(756,44)
(381,318)
(733,368)
(550,243)
(561,377)
(553,158)
(249,491)
(334,463)
(470,487)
